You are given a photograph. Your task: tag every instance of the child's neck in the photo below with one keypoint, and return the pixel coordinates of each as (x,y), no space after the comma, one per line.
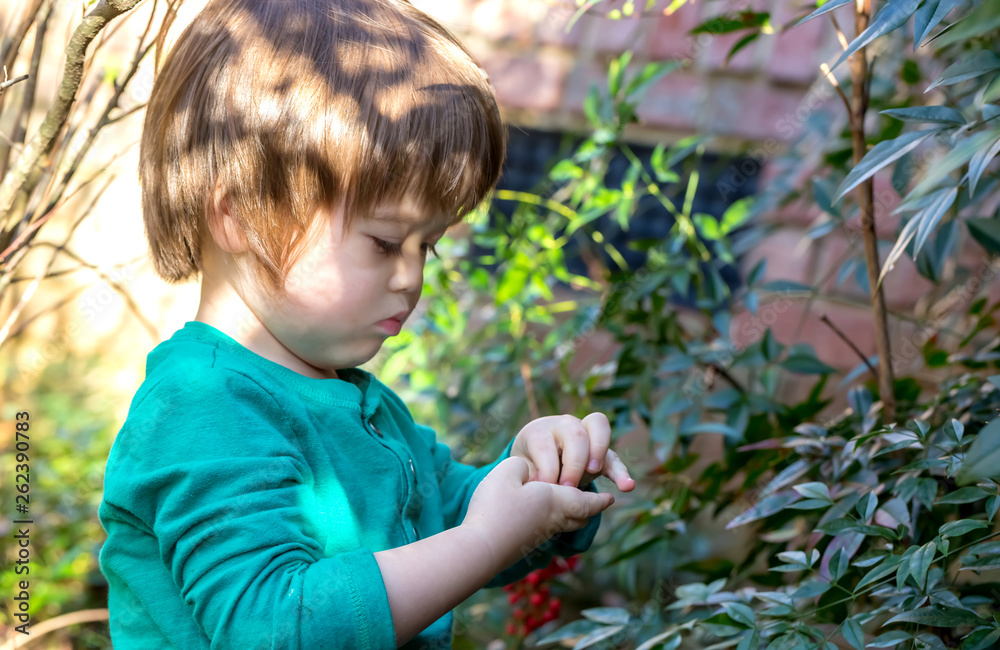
(223,308)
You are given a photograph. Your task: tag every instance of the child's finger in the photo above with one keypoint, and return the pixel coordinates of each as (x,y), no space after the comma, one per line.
(618,472)
(599,429)
(575,454)
(545,456)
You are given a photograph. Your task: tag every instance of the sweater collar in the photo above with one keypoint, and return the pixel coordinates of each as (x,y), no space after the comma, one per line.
(354,387)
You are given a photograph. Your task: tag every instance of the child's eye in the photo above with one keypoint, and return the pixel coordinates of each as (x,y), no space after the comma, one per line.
(395,250)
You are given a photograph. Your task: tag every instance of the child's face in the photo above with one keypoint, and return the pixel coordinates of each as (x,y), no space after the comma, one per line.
(345,284)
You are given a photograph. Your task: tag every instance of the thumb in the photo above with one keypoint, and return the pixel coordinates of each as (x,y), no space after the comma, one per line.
(585,504)
(513,468)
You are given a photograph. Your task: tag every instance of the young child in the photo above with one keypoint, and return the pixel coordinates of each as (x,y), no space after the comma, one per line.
(264,492)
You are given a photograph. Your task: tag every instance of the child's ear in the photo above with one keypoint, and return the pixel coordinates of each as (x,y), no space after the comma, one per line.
(222,224)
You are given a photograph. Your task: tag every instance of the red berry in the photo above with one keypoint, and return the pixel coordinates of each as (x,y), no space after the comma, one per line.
(554,604)
(518,613)
(534,578)
(511,629)
(509,587)
(532,623)
(513,598)
(548,616)
(537,599)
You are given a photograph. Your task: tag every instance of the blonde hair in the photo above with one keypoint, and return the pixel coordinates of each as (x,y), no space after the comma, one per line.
(299,105)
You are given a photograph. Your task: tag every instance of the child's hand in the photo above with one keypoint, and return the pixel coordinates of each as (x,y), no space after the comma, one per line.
(566,450)
(513,515)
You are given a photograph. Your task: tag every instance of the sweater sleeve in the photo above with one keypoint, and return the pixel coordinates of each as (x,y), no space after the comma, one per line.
(212,467)
(459,481)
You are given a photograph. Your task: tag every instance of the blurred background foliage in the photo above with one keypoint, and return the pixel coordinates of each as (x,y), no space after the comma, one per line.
(761,518)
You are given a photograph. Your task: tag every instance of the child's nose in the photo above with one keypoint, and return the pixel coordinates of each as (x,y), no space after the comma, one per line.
(408,274)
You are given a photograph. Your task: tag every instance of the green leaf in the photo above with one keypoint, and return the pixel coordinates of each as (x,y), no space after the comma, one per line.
(669,640)
(983,458)
(930,216)
(740,44)
(866,506)
(576,628)
(920,562)
(785,285)
(889,639)
(981,639)
(648,76)
(960,527)
(944,617)
(839,564)
(934,114)
(893,16)
(986,232)
(736,214)
(707,226)
(977,64)
(805,363)
(886,568)
(732,22)
(827,7)
(853,634)
(979,163)
(880,156)
(750,641)
(957,156)
(565,170)
(597,635)
(740,613)
(607,615)
(616,72)
(512,283)
(767,507)
(928,16)
(811,590)
(964,495)
(814,491)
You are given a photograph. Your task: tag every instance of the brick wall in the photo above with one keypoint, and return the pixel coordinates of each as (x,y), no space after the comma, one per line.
(759,101)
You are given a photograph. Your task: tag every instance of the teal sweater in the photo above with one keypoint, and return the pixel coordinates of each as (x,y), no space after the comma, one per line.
(243,503)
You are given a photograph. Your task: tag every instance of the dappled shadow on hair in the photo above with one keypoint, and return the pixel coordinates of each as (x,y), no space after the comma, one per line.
(296,105)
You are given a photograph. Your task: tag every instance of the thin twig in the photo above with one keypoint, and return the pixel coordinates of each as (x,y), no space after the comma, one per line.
(24,175)
(825,69)
(729,378)
(843,337)
(57,623)
(10,82)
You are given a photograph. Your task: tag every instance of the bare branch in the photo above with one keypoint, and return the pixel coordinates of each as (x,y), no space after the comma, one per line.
(860,78)
(7,84)
(28,99)
(21,180)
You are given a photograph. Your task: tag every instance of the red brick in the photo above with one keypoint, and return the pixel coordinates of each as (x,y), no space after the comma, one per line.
(795,55)
(756,111)
(714,56)
(532,81)
(675,101)
(578,84)
(670,37)
(786,258)
(609,35)
(551,27)
(800,214)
